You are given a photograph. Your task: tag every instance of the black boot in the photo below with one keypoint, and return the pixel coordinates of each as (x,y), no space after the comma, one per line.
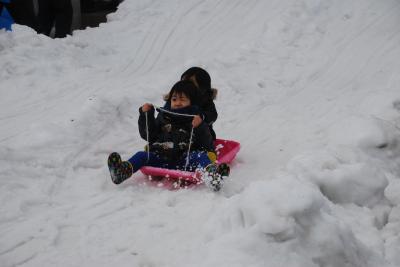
(215,175)
(119,170)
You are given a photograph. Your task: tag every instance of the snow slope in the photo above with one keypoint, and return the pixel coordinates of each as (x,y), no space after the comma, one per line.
(309,87)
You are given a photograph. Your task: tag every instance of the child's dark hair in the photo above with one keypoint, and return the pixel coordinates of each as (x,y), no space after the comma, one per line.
(203,79)
(184,87)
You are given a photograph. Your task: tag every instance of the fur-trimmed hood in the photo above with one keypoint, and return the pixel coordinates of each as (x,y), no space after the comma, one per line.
(214,93)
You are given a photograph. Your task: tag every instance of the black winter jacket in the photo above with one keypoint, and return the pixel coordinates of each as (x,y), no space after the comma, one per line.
(208,110)
(169,134)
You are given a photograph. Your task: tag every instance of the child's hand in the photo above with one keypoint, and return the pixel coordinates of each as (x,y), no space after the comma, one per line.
(196,121)
(146,107)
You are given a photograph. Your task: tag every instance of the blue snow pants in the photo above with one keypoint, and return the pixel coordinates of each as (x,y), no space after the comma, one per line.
(197,159)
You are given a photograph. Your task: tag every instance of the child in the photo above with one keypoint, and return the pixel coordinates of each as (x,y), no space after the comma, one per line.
(169,135)
(206,94)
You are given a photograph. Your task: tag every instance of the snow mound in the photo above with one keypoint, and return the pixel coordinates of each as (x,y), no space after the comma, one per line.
(289,216)
(343,177)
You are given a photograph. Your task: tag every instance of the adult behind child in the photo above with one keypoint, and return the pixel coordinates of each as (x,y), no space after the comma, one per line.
(206,94)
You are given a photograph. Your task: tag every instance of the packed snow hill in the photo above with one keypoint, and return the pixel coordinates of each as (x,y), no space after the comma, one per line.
(310,88)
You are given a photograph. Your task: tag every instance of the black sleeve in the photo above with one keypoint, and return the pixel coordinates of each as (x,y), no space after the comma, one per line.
(203,138)
(152,124)
(209,112)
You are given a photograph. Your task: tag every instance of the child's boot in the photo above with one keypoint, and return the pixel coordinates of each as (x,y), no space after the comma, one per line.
(215,175)
(224,170)
(119,170)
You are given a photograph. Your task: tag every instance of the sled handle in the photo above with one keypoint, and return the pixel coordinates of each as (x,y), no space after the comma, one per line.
(173,113)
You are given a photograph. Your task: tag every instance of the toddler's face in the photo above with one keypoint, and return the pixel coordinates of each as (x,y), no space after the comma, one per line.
(179,101)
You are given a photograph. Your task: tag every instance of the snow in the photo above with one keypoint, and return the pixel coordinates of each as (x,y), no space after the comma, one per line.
(310,89)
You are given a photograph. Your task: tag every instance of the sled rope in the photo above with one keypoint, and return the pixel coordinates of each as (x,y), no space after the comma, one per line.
(190,144)
(147,137)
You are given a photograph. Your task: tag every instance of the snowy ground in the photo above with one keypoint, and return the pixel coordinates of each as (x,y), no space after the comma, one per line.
(309,87)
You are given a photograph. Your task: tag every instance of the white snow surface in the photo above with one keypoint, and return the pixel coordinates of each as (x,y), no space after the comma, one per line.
(310,88)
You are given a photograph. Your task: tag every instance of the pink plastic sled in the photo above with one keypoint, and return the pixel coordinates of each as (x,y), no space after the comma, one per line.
(226,151)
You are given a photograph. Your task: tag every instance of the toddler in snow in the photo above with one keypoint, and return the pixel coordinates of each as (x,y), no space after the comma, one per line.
(169,135)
